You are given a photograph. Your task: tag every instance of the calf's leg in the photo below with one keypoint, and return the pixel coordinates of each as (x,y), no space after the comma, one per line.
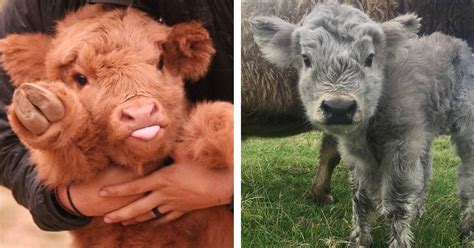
(362,207)
(329,158)
(403,185)
(465,144)
(427,163)
(51,121)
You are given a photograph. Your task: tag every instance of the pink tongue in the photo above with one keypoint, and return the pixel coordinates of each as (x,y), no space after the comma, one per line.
(146,133)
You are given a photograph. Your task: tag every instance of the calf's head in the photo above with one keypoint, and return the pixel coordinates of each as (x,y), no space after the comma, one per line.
(127,69)
(340,54)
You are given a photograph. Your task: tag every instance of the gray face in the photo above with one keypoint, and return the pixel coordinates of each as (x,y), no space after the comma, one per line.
(337,50)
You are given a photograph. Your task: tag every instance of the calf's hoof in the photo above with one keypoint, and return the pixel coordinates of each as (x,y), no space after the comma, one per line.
(321,198)
(468,239)
(396,244)
(350,245)
(359,240)
(36,107)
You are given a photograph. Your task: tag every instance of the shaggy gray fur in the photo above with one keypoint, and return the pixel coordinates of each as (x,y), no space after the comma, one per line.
(415,90)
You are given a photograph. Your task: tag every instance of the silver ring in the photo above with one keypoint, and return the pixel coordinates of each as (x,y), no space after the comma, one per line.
(156,212)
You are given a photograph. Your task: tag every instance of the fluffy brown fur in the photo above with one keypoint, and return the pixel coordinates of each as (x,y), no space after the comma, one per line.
(19,48)
(119,52)
(207,136)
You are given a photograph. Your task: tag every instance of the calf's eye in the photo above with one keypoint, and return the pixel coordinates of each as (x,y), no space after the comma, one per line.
(368,61)
(306,60)
(80,79)
(161,63)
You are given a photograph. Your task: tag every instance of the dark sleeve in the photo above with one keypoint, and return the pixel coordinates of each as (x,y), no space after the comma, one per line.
(218,18)
(16,170)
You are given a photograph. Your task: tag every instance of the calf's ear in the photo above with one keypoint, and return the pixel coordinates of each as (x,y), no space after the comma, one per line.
(23,57)
(188,50)
(400,29)
(273,37)
(410,23)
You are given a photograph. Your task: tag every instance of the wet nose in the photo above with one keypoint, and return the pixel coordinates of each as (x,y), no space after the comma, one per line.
(139,116)
(339,112)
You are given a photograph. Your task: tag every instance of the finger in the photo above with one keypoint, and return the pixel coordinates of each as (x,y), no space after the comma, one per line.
(169,217)
(45,100)
(135,187)
(148,216)
(166,208)
(28,115)
(142,218)
(133,210)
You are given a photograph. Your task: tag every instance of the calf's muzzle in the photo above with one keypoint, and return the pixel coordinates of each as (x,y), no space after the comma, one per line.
(140,117)
(339,111)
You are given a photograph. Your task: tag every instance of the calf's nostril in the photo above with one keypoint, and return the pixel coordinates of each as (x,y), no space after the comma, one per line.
(125,117)
(352,106)
(326,107)
(154,110)
(139,115)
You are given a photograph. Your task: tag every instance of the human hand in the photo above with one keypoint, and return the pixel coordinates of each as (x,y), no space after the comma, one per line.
(85,196)
(175,190)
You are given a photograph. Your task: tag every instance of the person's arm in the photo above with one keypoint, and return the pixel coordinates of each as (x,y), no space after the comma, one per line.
(19,175)
(175,190)
(16,170)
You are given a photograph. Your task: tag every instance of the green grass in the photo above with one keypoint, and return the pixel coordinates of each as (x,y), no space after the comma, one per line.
(277,212)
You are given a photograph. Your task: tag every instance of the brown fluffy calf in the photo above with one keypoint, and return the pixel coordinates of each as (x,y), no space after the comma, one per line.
(107,90)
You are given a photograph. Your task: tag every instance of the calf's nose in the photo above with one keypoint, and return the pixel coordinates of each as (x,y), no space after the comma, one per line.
(339,112)
(139,116)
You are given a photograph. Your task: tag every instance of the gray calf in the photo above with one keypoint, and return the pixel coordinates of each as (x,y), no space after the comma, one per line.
(385,94)
(270,103)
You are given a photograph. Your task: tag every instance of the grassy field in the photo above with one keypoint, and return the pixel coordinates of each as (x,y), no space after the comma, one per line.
(276,211)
